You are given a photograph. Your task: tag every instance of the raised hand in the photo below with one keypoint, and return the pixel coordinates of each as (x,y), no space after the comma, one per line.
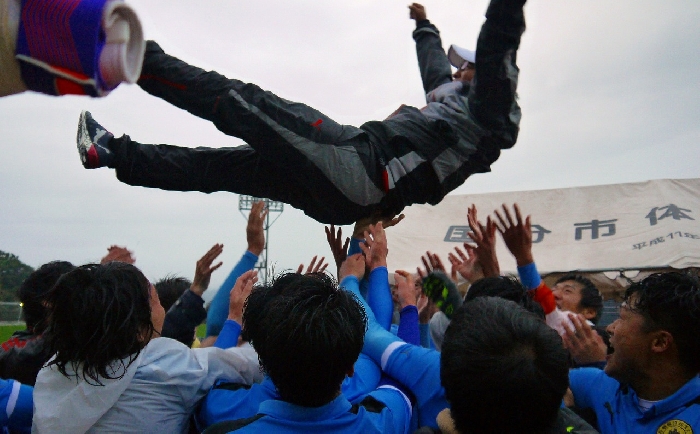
(426,307)
(338,247)
(239,294)
(118,254)
(203,270)
(375,246)
(584,343)
(417,12)
(431,262)
(362,225)
(354,265)
(484,236)
(314,267)
(467,265)
(406,291)
(389,222)
(516,234)
(255,230)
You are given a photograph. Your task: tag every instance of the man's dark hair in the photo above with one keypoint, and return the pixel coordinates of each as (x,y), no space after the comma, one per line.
(503,368)
(99,315)
(507,287)
(671,302)
(590,296)
(255,307)
(170,288)
(32,291)
(308,337)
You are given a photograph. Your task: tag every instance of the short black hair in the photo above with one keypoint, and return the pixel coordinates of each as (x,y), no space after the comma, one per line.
(170,288)
(99,315)
(32,291)
(671,302)
(507,287)
(255,307)
(503,368)
(309,336)
(590,295)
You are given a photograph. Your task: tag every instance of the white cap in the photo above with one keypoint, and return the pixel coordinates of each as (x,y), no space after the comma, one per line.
(458,56)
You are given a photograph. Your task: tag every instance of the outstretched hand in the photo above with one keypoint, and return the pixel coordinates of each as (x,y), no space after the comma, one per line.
(362,225)
(338,247)
(255,230)
(375,246)
(484,236)
(467,265)
(203,270)
(417,12)
(354,265)
(239,294)
(426,307)
(118,254)
(516,234)
(406,291)
(314,267)
(431,262)
(585,344)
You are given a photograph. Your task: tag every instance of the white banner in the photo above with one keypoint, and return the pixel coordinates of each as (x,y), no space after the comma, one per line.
(610,227)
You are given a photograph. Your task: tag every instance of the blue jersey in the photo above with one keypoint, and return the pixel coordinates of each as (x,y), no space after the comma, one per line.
(226,401)
(617,409)
(385,410)
(16,406)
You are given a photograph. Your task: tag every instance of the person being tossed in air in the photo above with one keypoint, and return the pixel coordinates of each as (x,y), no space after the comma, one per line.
(335,173)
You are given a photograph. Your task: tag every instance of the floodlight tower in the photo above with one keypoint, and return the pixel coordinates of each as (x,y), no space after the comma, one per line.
(245,203)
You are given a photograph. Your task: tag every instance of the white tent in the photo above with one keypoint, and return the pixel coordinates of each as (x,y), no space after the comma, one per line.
(631,228)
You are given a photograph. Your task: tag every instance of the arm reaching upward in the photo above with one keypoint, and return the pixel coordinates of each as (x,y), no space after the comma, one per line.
(203,270)
(484,236)
(339,249)
(435,69)
(517,234)
(255,236)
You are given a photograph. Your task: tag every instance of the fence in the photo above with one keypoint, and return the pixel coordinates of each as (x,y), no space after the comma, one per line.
(10,312)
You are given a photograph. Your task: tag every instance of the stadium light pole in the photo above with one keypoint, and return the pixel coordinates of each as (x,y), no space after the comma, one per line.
(245,203)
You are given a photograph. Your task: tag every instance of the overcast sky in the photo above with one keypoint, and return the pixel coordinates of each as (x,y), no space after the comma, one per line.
(610,93)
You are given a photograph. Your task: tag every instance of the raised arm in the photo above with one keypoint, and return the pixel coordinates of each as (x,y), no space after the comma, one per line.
(435,69)
(408,296)
(484,236)
(339,248)
(517,234)
(375,286)
(255,235)
(239,294)
(188,312)
(204,268)
(466,264)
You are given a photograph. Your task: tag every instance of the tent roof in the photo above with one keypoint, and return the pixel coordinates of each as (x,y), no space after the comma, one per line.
(637,226)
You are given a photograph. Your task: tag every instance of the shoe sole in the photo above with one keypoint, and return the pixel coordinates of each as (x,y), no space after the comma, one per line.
(83,139)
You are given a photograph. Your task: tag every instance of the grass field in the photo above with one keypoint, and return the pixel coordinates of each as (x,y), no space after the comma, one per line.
(7,330)
(201,331)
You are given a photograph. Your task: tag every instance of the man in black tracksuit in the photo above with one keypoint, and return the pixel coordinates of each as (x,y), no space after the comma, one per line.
(334,173)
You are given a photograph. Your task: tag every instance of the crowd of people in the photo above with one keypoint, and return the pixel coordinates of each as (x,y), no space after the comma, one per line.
(363,353)
(107,350)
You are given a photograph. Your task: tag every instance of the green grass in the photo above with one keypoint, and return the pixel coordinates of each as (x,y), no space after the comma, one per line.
(202,331)
(7,330)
